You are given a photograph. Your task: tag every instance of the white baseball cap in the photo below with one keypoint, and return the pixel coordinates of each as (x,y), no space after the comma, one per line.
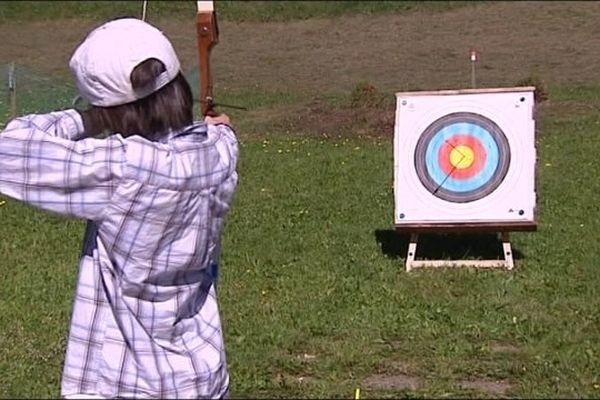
(103,62)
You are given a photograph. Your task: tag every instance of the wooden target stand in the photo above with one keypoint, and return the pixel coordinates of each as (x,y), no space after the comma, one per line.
(502,231)
(434,132)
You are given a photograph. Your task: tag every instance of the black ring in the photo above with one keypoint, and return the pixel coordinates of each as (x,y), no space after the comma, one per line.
(485,189)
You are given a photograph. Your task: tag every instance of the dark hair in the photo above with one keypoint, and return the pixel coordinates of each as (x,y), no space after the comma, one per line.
(169,108)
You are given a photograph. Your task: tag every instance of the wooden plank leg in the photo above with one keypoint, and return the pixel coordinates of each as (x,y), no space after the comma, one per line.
(412,251)
(507,262)
(508,256)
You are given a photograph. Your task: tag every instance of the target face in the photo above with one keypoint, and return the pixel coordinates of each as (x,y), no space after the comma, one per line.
(462,157)
(465,157)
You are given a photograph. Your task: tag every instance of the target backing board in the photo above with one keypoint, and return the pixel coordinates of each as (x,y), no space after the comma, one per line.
(465,157)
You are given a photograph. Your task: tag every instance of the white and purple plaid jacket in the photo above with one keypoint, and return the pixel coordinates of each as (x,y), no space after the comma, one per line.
(145,321)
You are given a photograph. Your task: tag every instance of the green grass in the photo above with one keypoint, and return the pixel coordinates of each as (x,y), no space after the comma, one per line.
(311,304)
(315,217)
(37,271)
(262,11)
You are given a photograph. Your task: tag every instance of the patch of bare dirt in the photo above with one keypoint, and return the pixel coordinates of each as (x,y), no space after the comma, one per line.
(394,375)
(393,382)
(504,347)
(555,41)
(367,113)
(327,121)
(498,388)
(567,108)
(287,380)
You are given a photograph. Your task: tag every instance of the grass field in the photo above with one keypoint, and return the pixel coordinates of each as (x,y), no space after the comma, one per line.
(314,298)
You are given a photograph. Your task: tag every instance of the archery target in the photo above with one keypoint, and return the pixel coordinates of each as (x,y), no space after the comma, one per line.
(464,156)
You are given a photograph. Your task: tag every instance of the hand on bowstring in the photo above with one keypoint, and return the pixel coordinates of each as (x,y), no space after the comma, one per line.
(213,117)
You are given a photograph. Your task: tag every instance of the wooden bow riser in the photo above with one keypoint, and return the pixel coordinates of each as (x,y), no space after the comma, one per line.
(207,33)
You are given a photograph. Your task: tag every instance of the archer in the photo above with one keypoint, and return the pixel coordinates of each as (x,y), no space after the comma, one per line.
(155,190)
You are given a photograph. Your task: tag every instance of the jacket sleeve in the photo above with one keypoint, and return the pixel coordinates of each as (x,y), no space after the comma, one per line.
(43,163)
(64,124)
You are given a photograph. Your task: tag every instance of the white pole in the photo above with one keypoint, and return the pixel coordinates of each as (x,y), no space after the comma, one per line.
(473,61)
(12,88)
(144,6)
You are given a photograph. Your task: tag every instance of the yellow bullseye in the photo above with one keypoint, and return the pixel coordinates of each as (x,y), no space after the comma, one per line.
(462,157)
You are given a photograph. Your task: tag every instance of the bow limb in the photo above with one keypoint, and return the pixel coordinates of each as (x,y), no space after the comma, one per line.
(208,37)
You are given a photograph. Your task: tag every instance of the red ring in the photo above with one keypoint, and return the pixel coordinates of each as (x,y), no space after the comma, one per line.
(479,155)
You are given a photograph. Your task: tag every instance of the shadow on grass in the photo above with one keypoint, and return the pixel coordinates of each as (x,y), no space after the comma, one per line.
(448,246)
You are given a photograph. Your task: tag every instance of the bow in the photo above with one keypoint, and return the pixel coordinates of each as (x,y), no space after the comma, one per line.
(208,37)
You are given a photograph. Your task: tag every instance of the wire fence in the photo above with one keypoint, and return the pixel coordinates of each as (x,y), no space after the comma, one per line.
(24,90)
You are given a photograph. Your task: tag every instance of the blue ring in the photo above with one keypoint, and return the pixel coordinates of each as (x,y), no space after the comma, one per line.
(461,185)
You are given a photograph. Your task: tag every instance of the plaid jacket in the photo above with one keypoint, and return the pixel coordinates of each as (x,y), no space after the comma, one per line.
(145,321)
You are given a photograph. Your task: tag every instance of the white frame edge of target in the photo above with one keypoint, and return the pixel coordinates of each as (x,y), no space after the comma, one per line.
(511,205)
